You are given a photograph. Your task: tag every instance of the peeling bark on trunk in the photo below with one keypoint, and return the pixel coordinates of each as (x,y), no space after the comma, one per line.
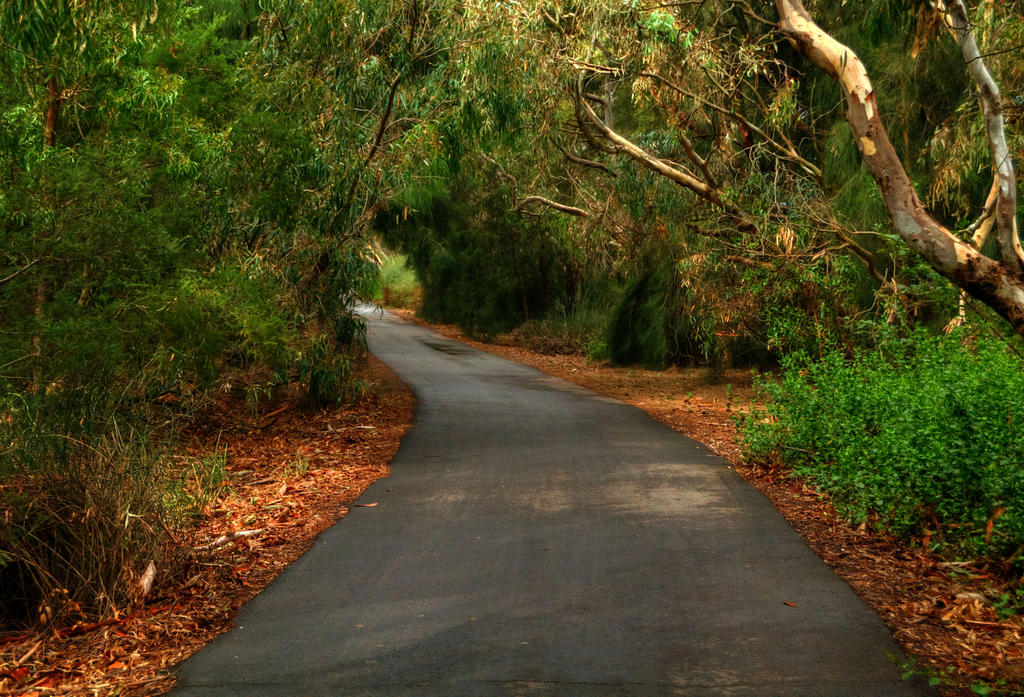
(998,285)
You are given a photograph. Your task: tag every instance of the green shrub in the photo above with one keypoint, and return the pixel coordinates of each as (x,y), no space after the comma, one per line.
(923,436)
(578,329)
(662,319)
(638,331)
(326,373)
(480,264)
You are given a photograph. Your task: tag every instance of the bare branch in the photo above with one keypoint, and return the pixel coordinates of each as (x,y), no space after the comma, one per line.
(787,151)
(15,274)
(677,174)
(571,210)
(585,162)
(751,263)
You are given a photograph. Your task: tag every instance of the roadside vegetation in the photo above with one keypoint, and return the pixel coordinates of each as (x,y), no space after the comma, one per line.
(196,195)
(399,285)
(671,223)
(876,432)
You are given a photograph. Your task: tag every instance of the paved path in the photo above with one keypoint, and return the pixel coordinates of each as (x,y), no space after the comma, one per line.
(537,539)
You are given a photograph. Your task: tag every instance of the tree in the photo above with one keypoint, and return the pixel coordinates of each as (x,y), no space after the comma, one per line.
(997,283)
(730,91)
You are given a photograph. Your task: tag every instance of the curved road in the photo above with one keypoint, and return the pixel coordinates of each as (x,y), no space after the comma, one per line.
(535,538)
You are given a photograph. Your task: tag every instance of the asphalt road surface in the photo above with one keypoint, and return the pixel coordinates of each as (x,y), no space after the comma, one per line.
(535,538)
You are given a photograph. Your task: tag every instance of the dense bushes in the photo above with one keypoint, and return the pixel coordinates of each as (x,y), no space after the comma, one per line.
(480,265)
(924,437)
(151,178)
(85,526)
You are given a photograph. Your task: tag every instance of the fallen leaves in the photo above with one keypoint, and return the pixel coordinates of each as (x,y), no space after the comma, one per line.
(289,480)
(232,537)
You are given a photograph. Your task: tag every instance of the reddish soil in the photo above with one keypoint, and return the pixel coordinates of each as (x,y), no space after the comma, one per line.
(940,612)
(291,474)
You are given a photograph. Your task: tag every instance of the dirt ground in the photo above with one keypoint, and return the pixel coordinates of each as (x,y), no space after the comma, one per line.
(940,612)
(291,473)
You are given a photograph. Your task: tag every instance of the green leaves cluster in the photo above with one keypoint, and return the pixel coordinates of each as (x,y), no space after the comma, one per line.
(924,438)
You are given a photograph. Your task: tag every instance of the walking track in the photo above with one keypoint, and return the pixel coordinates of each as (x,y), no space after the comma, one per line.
(535,538)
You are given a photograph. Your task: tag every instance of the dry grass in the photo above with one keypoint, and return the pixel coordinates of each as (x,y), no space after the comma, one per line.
(290,473)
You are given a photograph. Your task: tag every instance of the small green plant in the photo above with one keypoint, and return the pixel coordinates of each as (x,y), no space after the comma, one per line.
(200,482)
(597,348)
(1010,604)
(209,477)
(326,373)
(297,468)
(255,394)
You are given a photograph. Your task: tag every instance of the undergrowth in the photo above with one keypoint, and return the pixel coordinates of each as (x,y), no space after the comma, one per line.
(923,438)
(579,329)
(399,285)
(80,529)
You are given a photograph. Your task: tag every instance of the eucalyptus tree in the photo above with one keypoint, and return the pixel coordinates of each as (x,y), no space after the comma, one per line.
(752,134)
(185,190)
(998,282)
(664,88)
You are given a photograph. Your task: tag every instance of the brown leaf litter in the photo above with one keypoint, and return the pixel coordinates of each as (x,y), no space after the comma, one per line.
(291,474)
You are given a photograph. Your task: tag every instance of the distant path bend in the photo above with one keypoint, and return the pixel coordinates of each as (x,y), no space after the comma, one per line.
(535,538)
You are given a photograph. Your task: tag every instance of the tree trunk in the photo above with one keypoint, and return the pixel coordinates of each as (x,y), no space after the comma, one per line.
(997,284)
(42,293)
(52,112)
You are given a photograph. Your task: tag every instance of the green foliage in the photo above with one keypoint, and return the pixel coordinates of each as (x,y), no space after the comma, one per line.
(187,194)
(640,327)
(200,483)
(924,434)
(1010,604)
(177,209)
(578,327)
(326,374)
(399,286)
(662,25)
(479,265)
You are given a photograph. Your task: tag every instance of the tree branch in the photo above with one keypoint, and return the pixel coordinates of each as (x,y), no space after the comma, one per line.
(571,210)
(677,174)
(958,21)
(585,162)
(15,274)
(1000,286)
(789,152)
